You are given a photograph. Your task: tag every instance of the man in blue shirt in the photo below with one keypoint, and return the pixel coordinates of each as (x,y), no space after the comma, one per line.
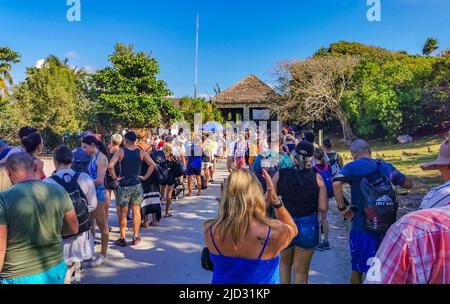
(363,244)
(4,149)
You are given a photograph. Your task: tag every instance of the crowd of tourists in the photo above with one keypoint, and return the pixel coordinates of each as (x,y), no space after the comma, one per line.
(249,244)
(273,212)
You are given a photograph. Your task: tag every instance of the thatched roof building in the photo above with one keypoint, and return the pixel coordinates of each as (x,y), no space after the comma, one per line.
(248,99)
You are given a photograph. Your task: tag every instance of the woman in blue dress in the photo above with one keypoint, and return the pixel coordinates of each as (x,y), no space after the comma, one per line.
(244,243)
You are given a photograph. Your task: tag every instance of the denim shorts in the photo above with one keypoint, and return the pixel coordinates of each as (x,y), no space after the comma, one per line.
(308,232)
(54,275)
(101,193)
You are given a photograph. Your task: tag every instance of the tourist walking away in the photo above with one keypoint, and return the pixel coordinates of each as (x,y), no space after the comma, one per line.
(23,132)
(81,189)
(335,160)
(439,196)
(97,171)
(111,185)
(207,158)
(34,146)
(374,203)
(194,154)
(130,187)
(173,169)
(414,250)
(33,217)
(304,193)
(81,159)
(244,243)
(240,151)
(230,143)
(324,169)
(151,203)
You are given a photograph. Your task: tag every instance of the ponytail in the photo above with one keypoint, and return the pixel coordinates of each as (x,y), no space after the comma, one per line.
(31,142)
(89,140)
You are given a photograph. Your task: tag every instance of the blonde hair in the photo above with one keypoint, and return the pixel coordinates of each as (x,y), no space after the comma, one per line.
(5,182)
(116,139)
(242,202)
(167,148)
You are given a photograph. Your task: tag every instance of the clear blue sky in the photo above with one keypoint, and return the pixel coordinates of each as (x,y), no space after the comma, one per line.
(237,37)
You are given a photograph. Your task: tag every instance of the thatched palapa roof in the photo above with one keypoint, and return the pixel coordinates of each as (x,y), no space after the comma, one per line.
(250,90)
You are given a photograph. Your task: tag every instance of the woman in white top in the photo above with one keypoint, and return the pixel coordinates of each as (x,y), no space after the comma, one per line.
(80,247)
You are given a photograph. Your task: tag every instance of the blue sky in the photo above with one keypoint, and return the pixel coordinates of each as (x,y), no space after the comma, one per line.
(237,37)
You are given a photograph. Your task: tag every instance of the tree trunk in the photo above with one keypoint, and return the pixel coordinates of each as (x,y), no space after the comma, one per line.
(346,128)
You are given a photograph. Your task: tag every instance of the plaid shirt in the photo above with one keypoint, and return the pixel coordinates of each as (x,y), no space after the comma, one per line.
(415,250)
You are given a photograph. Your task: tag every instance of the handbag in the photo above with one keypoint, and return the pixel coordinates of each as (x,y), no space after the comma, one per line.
(207,264)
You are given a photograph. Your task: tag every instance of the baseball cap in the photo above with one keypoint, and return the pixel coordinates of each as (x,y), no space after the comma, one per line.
(131,136)
(305,148)
(25,131)
(443,158)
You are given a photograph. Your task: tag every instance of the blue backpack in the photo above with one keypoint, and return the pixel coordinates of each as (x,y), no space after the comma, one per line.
(327,178)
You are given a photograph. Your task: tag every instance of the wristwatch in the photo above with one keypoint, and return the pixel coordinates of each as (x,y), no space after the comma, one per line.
(280,205)
(342,209)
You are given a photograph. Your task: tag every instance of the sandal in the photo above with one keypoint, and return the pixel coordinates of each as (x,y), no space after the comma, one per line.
(168,215)
(144,225)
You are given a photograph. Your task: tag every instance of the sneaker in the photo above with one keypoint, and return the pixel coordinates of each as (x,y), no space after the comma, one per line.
(121,242)
(98,261)
(320,247)
(136,241)
(326,245)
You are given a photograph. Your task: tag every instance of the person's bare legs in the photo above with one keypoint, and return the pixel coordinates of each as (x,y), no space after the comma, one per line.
(302,263)
(162,191)
(154,220)
(169,191)
(325,225)
(69,273)
(93,224)
(287,259)
(198,178)
(356,277)
(189,179)
(123,220)
(206,172)
(100,218)
(107,205)
(136,219)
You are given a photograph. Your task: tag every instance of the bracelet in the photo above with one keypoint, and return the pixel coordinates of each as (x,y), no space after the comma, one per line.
(342,209)
(279,205)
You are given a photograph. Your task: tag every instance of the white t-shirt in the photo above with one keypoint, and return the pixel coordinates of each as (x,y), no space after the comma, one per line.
(86,184)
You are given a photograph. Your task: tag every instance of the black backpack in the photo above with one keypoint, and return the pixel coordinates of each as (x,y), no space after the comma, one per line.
(380,201)
(79,200)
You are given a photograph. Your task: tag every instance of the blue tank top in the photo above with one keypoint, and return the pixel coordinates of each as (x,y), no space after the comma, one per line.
(231,270)
(93,166)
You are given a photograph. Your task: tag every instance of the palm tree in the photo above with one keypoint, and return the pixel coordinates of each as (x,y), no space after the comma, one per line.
(7,57)
(431,45)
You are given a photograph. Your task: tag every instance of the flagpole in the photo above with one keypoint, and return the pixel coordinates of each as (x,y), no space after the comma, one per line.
(196,59)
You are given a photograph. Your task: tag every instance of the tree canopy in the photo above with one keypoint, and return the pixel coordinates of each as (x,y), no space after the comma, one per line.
(128,94)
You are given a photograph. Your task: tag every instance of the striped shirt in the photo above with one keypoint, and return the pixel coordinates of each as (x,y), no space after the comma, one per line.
(415,250)
(437,197)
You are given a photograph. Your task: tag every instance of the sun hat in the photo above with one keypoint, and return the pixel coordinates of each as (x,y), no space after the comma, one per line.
(443,158)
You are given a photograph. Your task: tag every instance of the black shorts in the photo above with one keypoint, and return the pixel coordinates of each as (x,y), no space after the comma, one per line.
(110,184)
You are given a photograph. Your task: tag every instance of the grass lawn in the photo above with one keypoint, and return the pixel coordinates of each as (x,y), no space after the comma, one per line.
(408,158)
